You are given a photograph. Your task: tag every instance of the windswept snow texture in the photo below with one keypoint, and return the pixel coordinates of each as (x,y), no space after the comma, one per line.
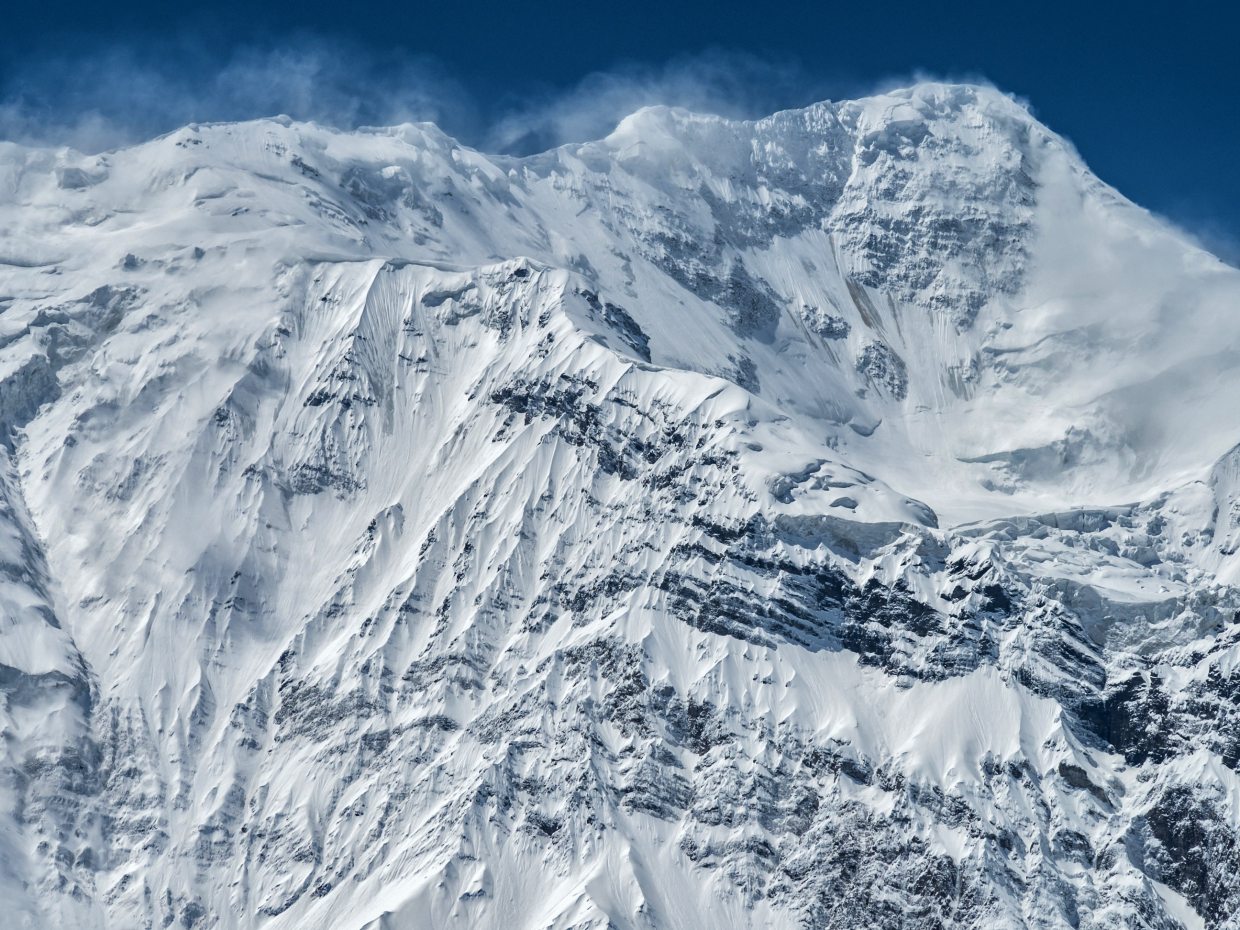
(826,521)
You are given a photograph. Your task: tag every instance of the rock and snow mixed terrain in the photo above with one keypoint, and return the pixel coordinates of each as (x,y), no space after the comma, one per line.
(831,521)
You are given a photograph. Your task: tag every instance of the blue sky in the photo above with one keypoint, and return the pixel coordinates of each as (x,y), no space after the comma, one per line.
(1148,94)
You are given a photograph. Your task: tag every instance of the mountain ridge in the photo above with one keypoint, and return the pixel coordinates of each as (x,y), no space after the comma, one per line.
(773,528)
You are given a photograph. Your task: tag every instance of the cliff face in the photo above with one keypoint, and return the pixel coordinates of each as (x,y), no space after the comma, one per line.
(822,521)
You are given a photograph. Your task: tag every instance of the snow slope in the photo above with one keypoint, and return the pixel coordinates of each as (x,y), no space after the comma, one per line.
(829,520)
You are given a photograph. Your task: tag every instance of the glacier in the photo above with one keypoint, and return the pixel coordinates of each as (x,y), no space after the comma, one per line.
(829,520)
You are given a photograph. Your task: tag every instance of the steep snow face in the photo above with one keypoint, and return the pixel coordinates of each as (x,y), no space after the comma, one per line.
(827,520)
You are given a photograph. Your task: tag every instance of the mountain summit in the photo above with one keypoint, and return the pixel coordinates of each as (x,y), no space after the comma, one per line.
(823,521)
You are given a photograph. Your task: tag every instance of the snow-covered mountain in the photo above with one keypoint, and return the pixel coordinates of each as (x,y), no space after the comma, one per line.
(825,521)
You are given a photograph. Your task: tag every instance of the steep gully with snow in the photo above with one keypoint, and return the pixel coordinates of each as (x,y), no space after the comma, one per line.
(824,521)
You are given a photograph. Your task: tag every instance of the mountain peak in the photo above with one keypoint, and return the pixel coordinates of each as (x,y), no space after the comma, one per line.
(820,520)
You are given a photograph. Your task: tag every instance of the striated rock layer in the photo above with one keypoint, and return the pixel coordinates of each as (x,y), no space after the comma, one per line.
(825,521)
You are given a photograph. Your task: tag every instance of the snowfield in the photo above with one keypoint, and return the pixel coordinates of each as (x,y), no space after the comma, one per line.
(824,521)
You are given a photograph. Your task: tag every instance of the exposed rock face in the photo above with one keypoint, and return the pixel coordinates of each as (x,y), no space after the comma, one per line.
(827,521)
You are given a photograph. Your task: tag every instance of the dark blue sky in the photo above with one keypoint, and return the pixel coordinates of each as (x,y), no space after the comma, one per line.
(1148,93)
